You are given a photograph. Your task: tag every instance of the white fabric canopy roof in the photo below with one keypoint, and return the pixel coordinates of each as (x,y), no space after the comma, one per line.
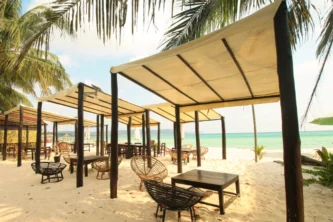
(234,66)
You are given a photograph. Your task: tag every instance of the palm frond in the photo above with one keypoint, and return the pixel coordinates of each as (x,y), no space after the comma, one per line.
(10,98)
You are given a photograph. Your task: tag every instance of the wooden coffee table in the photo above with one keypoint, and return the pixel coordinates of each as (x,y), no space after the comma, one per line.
(209,180)
(86,160)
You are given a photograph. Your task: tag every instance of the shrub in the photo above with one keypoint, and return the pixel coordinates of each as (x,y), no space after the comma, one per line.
(260,152)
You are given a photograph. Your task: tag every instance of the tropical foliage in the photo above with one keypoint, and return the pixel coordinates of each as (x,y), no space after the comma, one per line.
(322,175)
(22,65)
(259,151)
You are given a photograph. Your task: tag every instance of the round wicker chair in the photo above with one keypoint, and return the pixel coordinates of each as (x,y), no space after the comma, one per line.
(203,151)
(172,198)
(52,171)
(103,166)
(147,167)
(173,154)
(187,146)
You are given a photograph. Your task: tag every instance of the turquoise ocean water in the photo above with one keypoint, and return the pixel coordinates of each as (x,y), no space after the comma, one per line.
(271,140)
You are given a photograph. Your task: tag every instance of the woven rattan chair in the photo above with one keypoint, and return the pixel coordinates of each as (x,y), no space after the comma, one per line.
(102,167)
(203,151)
(187,146)
(173,154)
(172,198)
(63,148)
(52,171)
(148,168)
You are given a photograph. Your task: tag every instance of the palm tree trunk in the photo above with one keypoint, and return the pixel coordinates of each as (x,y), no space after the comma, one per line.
(255,134)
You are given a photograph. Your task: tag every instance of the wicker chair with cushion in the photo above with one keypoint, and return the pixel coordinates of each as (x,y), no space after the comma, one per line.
(172,198)
(52,171)
(148,168)
(203,151)
(103,166)
(173,154)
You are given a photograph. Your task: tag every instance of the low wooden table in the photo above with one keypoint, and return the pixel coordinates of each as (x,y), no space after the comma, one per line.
(46,150)
(86,160)
(209,180)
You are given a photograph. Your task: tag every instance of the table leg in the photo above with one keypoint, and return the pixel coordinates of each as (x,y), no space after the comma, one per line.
(237,188)
(221,201)
(154,151)
(32,154)
(86,170)
(173,183)
(71,166)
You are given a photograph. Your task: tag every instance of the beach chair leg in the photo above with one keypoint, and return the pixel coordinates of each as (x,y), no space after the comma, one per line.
(191,213)
(163,215)
(156,214)
(179,216)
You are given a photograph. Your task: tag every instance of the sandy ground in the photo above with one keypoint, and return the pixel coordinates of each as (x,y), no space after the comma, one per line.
(23,198)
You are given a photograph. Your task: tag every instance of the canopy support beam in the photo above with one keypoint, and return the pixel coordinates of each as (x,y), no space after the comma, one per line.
(114,137)
(45,137)
(179,140)
(5,134)
(39,133)
(102,136)
(129,152)
(57,133)
(238,65)
(143,133)
(26,136)
(158,138)
(148,151)
(197,136)
(170,84)
(76,137)
(97,135)
(199,76)
(53,134)
(80,136)
(20,144)
(175,135)
(224,140)
(290,130)
(107,136)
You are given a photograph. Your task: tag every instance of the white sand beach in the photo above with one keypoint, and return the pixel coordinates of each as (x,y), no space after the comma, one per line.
(24,198)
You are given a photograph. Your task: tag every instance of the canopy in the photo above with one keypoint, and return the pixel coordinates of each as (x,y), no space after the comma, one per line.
(136,120)
(95,101)
(234,66)
(167,110)
(86,123)
(328,121)
(30,116)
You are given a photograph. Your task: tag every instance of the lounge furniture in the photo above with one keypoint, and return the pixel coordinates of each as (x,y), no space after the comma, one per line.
(52,171)
(86,161)
(13,151)
(187,146)
(162,149)
(103,166)
(146,167)
(173,154)
(203,151)
(64,148)
(172,198)
(209,180)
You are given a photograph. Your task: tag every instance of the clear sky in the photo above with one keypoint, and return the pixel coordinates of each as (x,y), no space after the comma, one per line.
(88,60)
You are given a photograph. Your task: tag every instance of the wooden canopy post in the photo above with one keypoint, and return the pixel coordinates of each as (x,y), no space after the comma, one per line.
(143,134)
(174,135)
(57,140)
(179,140)
(290,132)
(80,136)
(148,132)
(5,135)
(20,144)
(53,134)
(129,152)
(224,140)
(45,136)
(97,135)
(76,137)
(26,136)
(114,137)
(106,135)
(102,136)
(197,136)
(158,138)
(39,133)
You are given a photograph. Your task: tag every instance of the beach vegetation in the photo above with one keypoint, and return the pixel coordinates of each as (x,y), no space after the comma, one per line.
(321,175)
(259,151)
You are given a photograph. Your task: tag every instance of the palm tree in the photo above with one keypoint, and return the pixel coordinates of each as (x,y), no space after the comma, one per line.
(36,67)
